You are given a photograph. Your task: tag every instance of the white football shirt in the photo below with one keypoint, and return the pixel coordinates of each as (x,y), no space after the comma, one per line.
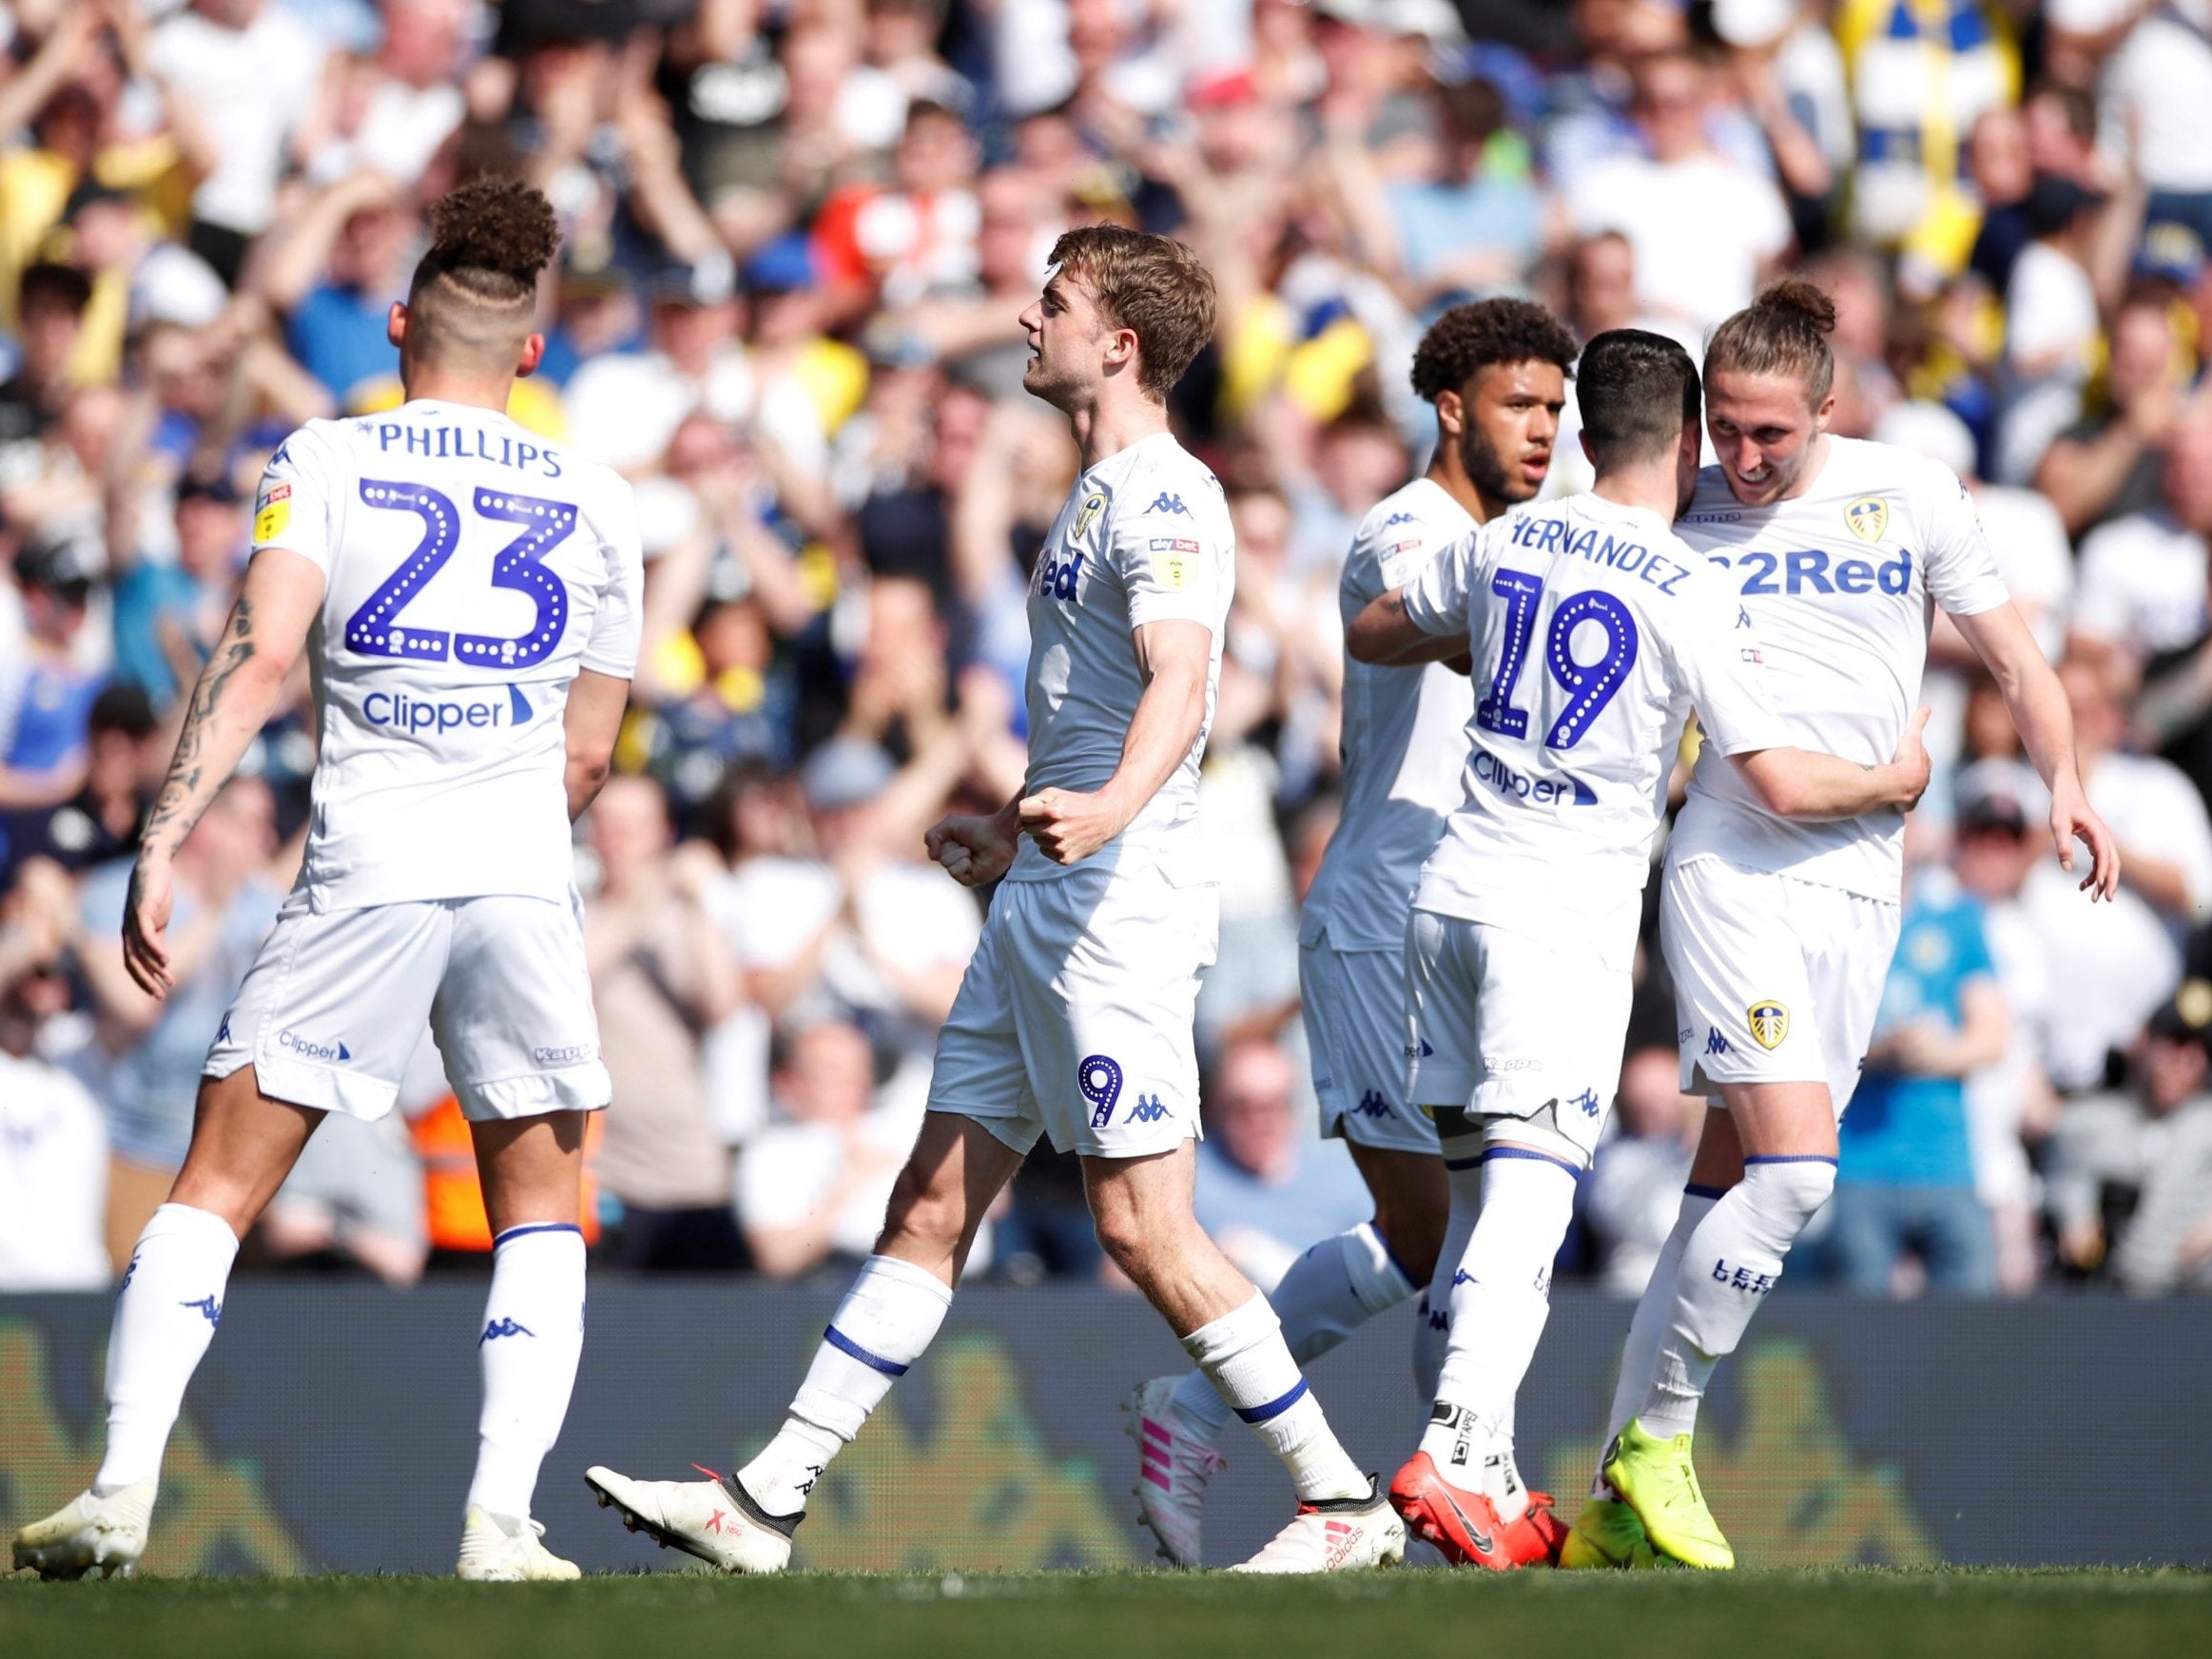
(1144,537)
(470,568)
(1594,631)
(1839,586)
(1405,737)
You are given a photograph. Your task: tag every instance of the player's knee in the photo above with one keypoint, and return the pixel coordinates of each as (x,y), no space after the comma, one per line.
(1788,1191)
(1122,1236)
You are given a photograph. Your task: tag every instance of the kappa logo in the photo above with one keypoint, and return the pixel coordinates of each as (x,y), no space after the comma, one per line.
(208,1307)
(222,1031)
(1867,517)
(128,1274)
(1769,1023)
(504,1327)
(1372,1104)
(1147,1109)
(1398,518)
(1461,1276)
(1587,1100)
(1163,502)
(1716,1042)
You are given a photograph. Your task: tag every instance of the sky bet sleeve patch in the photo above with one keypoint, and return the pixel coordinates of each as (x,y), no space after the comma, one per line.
(1175,560)
(272,513)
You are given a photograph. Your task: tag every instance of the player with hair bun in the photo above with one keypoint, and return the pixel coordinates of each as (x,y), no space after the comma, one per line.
(466,594)
(1778,935)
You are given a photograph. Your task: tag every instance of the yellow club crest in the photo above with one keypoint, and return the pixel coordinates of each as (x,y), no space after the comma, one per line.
(1867,517)
(1093,504)
(1770,1024)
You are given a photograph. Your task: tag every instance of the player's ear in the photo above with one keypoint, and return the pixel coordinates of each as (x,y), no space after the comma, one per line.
(396,323)
(1451,413)
(1820,416)
(533,354)
(1121,348)
(1589,450)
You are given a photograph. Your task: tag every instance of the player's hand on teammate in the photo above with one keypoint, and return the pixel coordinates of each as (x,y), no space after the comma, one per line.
(975,850)
(2072,820)
(1069,826)
(1912,757)
(145,919)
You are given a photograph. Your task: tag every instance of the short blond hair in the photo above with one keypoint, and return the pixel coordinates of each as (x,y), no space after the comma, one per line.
(1151,286)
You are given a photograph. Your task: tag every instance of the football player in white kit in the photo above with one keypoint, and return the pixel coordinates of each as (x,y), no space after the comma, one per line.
(1778,936)
(467,595)
(1496,371)
(1074,1018)
(1593,632)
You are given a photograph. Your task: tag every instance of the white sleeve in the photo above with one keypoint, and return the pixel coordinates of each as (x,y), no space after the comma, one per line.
(1437,594)
(1720,666)
(618,624)
(1172,566)
(1962,572)
(301,498)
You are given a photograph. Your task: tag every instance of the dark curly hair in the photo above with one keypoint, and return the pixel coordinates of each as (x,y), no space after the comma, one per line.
(1471,337)
(1785,332)
(489,239)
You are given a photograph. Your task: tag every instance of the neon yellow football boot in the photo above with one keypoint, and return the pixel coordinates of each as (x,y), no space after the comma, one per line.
(1606,1534)
(1656,1479)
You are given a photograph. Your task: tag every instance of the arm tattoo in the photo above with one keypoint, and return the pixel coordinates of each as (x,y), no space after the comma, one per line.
(187,789)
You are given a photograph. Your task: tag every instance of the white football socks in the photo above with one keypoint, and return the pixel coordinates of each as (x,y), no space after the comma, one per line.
(532,1339)
(1501,1297)
(1243,1352)
(1329,1293)
(164,1318)
(1462,1158)
(884,1324)
(1728,1266)
(1649,1324)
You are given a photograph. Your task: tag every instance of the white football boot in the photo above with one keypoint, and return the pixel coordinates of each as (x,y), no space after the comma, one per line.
(714,1519)
(504,1549)
(1341,1535)
(87,1532)
(1173,1464)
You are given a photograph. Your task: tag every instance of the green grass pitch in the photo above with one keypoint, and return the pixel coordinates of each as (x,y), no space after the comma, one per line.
(1940,1613)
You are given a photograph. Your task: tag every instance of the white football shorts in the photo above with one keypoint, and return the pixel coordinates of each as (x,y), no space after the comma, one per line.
(336,1000)
(1522,1033)
(1354,1005)
(1074,1020)
(1777,980)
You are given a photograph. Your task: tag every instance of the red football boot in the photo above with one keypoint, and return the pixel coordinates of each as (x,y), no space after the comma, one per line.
(1464,1525)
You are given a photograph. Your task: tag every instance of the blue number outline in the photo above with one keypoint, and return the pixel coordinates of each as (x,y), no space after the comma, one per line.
(370,629)
(1592,685)
(1521,593)
(518,565)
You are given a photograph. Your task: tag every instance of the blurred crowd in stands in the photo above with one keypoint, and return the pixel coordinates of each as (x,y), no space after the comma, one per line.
(797,237)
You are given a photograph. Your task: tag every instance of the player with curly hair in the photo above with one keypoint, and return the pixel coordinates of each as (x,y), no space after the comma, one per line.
(1496,372)
(466,594)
